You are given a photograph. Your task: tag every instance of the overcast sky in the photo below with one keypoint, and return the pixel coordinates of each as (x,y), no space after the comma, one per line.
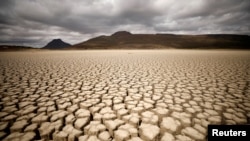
(36,22)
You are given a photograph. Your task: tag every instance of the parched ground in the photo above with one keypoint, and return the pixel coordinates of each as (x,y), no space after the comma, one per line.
(121,95)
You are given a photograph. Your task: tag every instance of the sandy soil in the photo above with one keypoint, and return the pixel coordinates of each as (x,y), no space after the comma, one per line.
(121,95)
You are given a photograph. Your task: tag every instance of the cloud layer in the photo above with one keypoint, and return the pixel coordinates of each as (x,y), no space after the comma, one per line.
(36,22)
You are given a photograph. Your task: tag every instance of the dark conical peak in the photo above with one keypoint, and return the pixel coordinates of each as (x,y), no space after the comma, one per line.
(56,44)
(121,33)
(56,40)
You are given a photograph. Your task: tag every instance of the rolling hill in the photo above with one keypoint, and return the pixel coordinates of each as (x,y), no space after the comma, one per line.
(126,40)
(15,48)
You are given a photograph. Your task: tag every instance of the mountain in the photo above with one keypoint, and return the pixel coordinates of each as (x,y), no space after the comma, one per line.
(56,44)
(15,48)
(126,40)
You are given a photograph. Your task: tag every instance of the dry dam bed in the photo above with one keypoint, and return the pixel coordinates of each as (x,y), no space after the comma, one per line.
(122,95)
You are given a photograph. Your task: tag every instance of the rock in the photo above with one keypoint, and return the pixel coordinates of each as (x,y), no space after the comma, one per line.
(149,132)
(230,122)
(132,119)
(191,132)
(183,117)
(167,137)
(46,130)
(18,126)
(3,114)
(218,107)
(10,106)
(2,134)
(135,139)
(31,127)
(112,125)
(121,135)
(131,129)
(97,117)
(109,116)
(58,115)
(14,136)
(57,124)
(60,136)
(72,132)
(23,104)
(169,124)
(106,110)
(183,138)
(211,112)
(149,117)
(200,129)
(70,119)
(104,136)
(121,113)
(94,128)
(26,117)
(201,115)
(148,106)
(118,106)
(137,110)
(204,123)
(3,125)
(93,138)
(207,105)
(239,120)
(185,121)
(81,122)
(28,109)
(161,105)
(161,112)
(214,120)
(51,109)
(28,136)
(72,108)
(190,110)
(9,117)
(94,110)
(41,110)
(83,138)
(81,113)
(63,106)
(40,118)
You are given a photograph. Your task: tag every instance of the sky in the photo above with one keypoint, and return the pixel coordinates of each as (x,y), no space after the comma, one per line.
(36,22)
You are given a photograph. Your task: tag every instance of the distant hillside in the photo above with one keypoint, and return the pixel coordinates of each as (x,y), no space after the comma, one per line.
(14,48)
(126,40)
(56,44)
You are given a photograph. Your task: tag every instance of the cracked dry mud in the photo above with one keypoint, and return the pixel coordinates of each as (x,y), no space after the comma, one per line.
(121,95)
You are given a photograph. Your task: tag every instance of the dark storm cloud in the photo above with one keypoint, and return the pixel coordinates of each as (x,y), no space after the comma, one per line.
(35,22)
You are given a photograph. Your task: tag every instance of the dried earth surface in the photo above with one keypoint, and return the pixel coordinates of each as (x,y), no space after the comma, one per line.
(156,95)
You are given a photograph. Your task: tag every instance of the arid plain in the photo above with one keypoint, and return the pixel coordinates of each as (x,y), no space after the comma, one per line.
(151,95)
